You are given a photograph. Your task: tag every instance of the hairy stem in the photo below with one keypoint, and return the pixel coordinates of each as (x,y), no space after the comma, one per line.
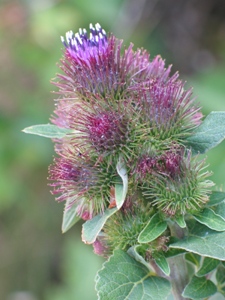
(179,274)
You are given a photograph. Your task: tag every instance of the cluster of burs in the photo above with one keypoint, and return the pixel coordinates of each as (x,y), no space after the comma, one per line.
(125,110)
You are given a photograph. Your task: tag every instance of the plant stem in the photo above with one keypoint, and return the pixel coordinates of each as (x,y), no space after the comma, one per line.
(178,276)
(178,267)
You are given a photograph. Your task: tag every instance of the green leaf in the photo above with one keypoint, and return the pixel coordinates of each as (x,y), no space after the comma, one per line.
(121,190)
(209,134)
(216,198)
(69,217)
(123,278)
(203,241)
(220,277)
(155,227)
(209,218)
(180,221)
(193,258)
(47,130)
(173,252)
(199,288)
(220,210)
(91,228)
(209,264)
(163,264)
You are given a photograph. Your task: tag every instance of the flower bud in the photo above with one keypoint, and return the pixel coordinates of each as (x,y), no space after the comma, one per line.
(122,228)
(185,192)
(80,182)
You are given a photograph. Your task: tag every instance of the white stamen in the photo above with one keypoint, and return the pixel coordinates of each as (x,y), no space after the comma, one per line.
(97,26)
(78,38)
(69,36)
(74,43)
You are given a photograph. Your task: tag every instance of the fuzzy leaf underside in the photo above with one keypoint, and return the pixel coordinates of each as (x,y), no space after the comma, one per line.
(91,228)
(161,261)
(121,189)
(203,241)
(133,252)
(47,130)
(69,218)
(209,134)
(199,288)
(123,278)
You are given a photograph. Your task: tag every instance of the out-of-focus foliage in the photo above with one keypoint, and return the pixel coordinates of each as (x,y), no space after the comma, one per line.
(37,261)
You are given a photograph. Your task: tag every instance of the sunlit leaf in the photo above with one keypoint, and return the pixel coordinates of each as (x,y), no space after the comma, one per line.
(69,218)
(91,228)
(47,130)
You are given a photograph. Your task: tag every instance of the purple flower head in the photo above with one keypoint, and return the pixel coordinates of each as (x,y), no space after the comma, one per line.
(98,64)
(105,130)
(84,49)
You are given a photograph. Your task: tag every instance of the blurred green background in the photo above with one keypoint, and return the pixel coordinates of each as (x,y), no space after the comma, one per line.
(36,260)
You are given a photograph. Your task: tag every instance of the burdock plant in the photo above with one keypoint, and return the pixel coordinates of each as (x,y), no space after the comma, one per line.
(128,138)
